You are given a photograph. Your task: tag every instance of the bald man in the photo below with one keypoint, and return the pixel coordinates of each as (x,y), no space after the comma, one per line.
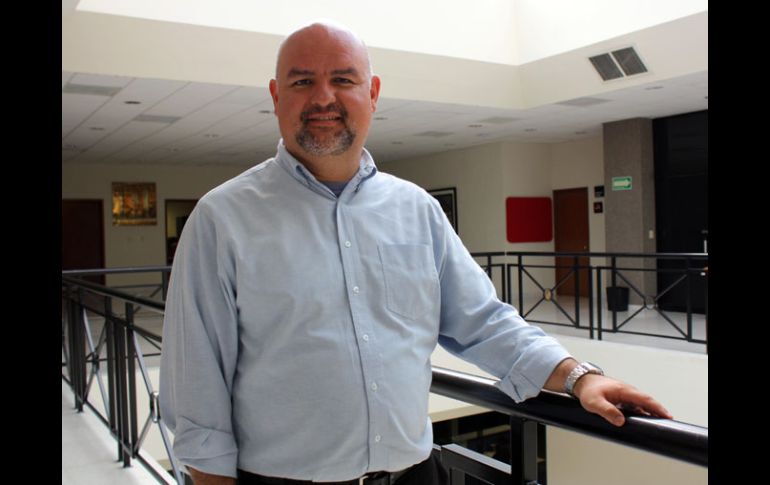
(308,293)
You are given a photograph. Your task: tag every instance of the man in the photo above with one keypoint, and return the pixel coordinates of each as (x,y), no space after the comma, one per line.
(308,293)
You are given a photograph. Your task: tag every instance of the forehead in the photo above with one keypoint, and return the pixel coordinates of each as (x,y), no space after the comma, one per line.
(322,50)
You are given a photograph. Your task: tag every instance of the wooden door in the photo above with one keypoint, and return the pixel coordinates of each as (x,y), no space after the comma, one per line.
(571,235)
(82,236)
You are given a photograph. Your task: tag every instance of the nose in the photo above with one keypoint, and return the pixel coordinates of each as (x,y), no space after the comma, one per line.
(323,94)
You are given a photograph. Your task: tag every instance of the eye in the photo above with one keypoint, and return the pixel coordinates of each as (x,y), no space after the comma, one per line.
(302,82)
(342,80)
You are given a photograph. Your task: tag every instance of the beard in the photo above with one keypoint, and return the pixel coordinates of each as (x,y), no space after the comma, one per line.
(325,144)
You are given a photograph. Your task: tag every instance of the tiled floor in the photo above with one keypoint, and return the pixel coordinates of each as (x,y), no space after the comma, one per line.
(89,453)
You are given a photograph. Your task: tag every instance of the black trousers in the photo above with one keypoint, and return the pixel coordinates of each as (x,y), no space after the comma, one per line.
(428,472)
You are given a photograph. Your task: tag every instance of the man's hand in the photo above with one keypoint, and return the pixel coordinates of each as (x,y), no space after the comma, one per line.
(606,396)
(201,478)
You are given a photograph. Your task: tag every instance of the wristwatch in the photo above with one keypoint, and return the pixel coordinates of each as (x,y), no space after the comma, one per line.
(579,371)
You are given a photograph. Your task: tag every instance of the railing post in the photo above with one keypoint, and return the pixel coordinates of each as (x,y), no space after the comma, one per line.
(77,344)
(523,451)
(688,300)
(122,394)
(112,385)
(521,285)
(131,375)
(576,269)
(599,302)
(613,277)
(590,270)
(164,277)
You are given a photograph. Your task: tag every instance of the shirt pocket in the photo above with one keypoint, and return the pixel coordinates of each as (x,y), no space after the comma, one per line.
(411,279)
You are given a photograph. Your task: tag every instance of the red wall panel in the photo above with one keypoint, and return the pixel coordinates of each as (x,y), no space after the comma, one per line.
(528,219)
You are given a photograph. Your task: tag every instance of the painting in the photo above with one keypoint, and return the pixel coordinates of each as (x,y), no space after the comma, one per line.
(448,199)
(134,204)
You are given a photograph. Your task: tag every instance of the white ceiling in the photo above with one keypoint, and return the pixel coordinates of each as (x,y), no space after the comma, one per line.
(186,123)
(143,117)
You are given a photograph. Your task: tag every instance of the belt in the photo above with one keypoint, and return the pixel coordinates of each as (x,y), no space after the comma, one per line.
(374,478)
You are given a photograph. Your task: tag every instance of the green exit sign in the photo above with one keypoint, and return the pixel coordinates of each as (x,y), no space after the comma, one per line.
(621,183)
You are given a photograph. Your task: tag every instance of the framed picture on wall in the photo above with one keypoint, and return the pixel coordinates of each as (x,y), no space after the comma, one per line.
(447,197)
(134,204)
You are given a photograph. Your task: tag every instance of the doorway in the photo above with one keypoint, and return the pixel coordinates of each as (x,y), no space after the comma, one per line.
(570,219)
(82,236)
(177,212)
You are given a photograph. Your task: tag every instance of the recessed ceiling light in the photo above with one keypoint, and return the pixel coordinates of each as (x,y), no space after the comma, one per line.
(96,128)
(132,102)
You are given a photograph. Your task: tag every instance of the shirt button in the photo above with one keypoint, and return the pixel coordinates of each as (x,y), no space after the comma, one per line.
(365,337)
(377,438)
(355,289)
(347,244)
(374,386)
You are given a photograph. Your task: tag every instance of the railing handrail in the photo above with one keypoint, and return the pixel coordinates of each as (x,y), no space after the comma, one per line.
(590,254)
(106,290)
(105,271)
(682,441)
(675,439)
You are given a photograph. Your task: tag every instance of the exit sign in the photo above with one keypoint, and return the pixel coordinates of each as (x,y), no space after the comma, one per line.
(621,183)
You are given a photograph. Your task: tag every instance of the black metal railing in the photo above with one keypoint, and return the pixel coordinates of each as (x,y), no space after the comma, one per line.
(681,290)
(124,356)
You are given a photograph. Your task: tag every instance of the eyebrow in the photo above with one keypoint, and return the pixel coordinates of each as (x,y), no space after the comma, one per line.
(296,72)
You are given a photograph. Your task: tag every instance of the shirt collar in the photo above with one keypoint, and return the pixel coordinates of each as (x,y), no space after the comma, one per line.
(367,169)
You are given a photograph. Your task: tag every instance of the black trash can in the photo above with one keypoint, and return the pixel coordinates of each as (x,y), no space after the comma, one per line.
(617,298)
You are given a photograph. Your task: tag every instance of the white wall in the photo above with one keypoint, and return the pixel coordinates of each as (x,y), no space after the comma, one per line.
(548,27)
(127,246)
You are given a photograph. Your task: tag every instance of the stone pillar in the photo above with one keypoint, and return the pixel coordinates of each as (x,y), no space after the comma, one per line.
(630,214)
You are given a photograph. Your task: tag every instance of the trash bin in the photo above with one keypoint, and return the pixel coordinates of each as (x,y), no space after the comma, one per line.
(617,298)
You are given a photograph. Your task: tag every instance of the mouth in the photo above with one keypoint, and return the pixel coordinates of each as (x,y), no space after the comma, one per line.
(323,119)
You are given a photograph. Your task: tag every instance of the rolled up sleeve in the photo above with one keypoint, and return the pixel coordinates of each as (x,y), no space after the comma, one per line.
(200,348)
(476,326)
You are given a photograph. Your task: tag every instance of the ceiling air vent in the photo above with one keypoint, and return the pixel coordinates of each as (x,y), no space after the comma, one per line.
(618,63)
(606,67)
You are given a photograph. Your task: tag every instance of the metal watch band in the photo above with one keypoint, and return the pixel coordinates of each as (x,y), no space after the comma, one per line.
(579,371)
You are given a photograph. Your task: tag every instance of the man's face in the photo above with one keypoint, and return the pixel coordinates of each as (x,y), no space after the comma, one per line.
(323,96)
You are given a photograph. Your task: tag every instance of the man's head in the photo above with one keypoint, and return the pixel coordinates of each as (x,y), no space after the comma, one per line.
(324,92)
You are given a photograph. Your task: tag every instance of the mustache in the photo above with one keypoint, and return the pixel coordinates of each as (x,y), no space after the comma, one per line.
(331,108)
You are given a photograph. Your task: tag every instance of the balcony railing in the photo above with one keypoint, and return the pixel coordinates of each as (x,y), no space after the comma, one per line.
(118,347)
(675,290)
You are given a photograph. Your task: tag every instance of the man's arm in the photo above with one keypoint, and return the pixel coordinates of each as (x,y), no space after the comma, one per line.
(602,395)
(201,478)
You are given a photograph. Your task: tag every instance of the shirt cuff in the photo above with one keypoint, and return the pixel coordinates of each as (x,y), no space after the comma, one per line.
(208,450)
(530,373)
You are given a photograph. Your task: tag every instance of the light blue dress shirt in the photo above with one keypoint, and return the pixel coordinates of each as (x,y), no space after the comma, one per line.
(299,325)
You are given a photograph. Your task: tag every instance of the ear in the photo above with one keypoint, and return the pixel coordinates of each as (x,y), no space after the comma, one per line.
(274,94)
(374,92)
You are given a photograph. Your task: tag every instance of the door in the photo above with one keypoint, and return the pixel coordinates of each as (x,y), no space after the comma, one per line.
(82,236)
(570,221)
(177,212)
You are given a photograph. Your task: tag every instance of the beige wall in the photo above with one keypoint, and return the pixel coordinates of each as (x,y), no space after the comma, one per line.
(129,246)
(486,175)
